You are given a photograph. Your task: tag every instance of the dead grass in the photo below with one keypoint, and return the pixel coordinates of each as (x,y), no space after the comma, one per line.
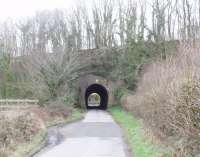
(16,131)
(168,100)
(23,130)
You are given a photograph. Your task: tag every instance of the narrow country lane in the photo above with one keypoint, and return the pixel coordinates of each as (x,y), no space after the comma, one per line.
(97,135)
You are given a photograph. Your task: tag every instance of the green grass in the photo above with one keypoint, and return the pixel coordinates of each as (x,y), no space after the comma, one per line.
(139,144)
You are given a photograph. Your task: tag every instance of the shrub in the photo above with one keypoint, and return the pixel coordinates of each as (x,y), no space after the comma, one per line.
(7,77)
(167,99)
(58,109)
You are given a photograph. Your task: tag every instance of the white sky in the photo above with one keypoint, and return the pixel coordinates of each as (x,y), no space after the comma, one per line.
(23,8)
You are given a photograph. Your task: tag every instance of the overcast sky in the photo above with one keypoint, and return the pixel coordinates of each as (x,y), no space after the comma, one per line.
(23,8)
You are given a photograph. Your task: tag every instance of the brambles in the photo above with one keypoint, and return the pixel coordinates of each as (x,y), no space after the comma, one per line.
(167,99)
(17,130)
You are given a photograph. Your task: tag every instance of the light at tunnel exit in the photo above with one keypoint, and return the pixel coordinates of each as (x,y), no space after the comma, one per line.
(96,97)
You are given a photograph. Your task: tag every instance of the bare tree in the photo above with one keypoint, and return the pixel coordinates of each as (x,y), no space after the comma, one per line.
(131,21)
(142,24)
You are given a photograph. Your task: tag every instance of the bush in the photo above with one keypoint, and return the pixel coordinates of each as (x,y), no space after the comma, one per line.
(61,111)
(58,109)
(167,99)
(7,77)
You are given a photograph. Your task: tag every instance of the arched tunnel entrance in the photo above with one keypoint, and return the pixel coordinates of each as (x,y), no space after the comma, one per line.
(101,91)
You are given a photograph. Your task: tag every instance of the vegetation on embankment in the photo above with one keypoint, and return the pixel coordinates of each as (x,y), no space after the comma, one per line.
(37,142)
(76,114)
(26,148)
(167,100)
(50,48)
(25,133)
(140,144)
(41,57)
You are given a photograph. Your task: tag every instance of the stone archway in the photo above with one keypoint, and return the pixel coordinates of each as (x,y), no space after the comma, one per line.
(101,91)
(86,81)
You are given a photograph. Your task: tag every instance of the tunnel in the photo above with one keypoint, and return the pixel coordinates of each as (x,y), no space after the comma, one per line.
(101,91)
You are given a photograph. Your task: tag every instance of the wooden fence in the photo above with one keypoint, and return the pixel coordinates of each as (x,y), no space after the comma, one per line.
(7,104)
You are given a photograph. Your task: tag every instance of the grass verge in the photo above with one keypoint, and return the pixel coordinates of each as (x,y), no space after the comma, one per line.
(140,145)
(76,115)
(30,147)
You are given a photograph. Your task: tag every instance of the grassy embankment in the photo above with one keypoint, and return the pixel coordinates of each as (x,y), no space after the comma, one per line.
(140,145)
(37,141)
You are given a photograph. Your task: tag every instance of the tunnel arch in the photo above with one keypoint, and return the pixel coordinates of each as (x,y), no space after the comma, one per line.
(103,93)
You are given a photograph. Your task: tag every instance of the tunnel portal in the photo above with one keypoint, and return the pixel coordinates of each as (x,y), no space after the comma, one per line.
(101,91)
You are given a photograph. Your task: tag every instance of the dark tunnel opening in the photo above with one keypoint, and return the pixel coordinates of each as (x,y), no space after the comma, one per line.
(101,91)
